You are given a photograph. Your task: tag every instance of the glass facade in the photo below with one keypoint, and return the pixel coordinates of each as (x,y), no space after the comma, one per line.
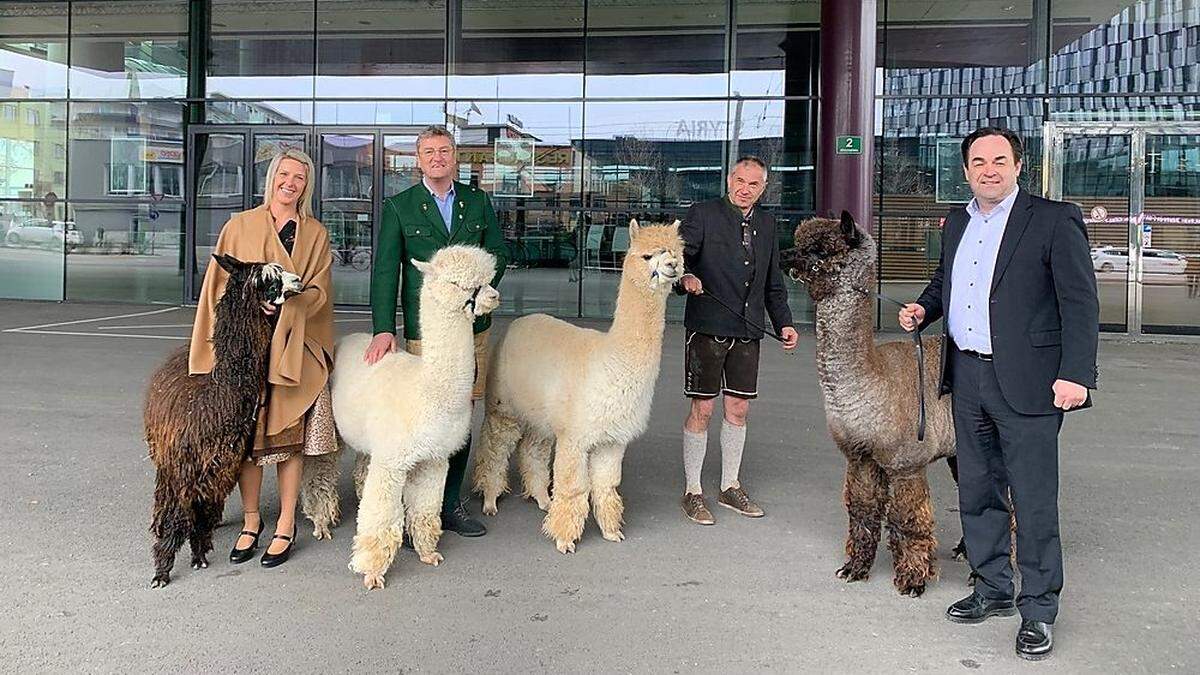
(131,129)
(1102,94)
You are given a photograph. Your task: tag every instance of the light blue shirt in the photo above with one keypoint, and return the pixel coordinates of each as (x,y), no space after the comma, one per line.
(445,206)
(968,320)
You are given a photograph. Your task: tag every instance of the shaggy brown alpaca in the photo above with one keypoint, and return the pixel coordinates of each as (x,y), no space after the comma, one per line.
(199,428)
(871,403)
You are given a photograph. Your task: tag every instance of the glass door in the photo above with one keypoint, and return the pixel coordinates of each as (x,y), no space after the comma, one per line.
(1138,185)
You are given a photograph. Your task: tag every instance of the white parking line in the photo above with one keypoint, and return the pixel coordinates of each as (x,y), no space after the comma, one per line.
(30,329)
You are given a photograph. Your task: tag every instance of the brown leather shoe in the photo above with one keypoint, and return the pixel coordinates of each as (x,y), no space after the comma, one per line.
(736,498)
(696,510)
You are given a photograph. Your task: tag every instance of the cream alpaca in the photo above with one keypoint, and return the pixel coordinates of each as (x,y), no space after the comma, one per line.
(587,392)
(409,413)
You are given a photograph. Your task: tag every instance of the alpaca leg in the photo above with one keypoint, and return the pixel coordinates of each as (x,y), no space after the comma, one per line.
(319,495)
(569,503)
(496,442)
(171,525)
(960,549)
(423,508)
(208,516)
(910,534)
(533,463)
(380,523)
(605,469)
(864,497)
(361,462)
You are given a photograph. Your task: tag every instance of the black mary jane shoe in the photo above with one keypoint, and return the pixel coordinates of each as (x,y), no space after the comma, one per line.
(1035,640)
(241,555)
(276,559)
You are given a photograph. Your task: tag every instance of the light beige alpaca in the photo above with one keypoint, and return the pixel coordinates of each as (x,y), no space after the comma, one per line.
(409,413)
(587,392)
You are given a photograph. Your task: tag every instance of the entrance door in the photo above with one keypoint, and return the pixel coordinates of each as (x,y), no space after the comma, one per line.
(1138,186)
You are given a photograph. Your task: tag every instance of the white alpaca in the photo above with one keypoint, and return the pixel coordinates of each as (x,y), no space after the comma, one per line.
(410,413)
(587,392)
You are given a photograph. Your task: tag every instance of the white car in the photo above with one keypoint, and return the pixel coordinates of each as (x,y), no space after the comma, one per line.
(1154,260)
(41,232)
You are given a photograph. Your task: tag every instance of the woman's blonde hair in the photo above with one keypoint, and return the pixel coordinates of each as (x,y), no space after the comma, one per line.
(304,204)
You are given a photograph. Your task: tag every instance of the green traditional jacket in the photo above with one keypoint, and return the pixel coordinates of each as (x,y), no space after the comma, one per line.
(411,228)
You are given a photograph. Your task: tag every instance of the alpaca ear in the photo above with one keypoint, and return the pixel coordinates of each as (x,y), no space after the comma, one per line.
(633,227)
(675,227)
(227,262)
(426,269)
(850,230)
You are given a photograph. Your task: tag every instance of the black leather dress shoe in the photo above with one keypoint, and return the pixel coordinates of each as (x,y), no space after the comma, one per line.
(975,609)
(1035,640)
(275,559)
(459,520)
(241,555)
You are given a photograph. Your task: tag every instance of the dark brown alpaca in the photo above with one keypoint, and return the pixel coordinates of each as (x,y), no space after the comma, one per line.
(198,427)
(871,404)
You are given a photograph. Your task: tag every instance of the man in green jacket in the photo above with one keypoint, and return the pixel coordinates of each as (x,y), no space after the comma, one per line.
(433,214)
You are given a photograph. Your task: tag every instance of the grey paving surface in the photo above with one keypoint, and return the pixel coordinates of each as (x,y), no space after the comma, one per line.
(674,597)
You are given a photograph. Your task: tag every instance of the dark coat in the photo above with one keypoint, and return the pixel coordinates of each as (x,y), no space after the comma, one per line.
(749,283)
(412,227)
(1044,311)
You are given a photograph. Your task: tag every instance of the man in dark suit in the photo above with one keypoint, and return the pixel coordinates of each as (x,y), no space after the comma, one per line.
(1018,293)
(731,255)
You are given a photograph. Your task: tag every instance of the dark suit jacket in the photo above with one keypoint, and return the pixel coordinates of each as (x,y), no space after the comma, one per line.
(713,251)
(1044,312)
(412,227)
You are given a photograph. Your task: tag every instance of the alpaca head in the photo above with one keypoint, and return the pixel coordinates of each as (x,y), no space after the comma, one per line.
(655,258)
(830,254)
(457,279)
(266,282)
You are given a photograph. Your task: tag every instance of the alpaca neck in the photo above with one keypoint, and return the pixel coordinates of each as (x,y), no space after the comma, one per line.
(845,345)
(241,339)
(638,322)
(447,350)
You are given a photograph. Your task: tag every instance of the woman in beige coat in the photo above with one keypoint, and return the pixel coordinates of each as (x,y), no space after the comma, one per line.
(282,230)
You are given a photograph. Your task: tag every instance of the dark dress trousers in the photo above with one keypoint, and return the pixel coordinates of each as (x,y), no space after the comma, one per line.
(1044,317)
(748,281)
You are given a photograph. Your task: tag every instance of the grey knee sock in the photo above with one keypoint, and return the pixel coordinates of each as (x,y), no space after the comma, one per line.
(733,440)
(694,447)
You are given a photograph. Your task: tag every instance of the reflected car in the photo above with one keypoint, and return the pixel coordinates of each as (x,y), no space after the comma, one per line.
(1154,260)
(41,232)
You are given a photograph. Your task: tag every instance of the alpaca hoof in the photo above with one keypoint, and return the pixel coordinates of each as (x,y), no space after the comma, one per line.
(160,580)
(434,558)
(614,536)
(912,591)
(851,573)
(565,546)
(960,551)
(489,507)
(322,532)
(199,563)
(373,581)
(543,503)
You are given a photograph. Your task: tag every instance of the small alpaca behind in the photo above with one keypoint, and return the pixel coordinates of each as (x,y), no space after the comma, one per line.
(871,404)
(588,392)
(410,413)
(199,428)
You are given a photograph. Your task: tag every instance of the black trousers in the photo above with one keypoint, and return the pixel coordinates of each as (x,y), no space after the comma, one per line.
(1002,450)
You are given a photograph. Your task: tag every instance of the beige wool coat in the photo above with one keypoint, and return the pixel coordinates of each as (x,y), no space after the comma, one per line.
(302,345)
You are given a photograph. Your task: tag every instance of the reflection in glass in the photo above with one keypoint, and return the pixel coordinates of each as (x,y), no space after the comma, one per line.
(388,113)
(639,49)
(261,49)
(33,50)
(519,49)
(1095,175)
(1171,234)
(348,212)
(383,49)
(777,49)
(1138,46)
(266,146)
(129,49)
(400,170)
(127,150)
(33,150)
(35,239)
(973,48)
(220,175)
(126,252)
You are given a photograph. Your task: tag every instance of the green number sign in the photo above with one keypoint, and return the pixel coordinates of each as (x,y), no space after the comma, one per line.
(849,145)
